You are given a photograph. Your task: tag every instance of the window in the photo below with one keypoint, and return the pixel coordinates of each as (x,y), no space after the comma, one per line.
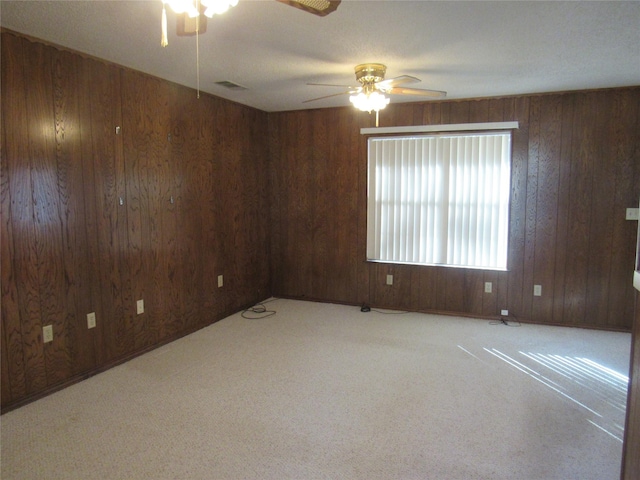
(439,199)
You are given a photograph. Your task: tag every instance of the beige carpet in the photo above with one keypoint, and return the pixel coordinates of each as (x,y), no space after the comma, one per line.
(320,391)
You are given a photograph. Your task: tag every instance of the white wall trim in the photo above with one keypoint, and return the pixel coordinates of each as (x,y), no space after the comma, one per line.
(454,127)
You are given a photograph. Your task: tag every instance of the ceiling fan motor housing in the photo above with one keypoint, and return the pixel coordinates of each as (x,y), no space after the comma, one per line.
(370,72)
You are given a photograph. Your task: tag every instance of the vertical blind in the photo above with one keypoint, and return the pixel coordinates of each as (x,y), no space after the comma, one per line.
(440,199)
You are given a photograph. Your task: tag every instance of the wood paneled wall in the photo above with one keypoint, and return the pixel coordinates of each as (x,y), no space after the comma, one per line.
(93,220)
(575,170)
(193,188)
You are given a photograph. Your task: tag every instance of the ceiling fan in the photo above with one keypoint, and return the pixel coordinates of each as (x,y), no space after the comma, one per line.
(192,18)
(192,15)
(370,95)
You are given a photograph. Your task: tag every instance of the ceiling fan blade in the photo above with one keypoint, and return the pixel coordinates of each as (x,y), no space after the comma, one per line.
(417,91)
(332,85)
(317,7)
(394,82)
(329,96)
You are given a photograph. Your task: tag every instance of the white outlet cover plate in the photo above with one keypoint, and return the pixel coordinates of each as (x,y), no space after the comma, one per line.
(633,214)
(91,320)
(47,333)
(140,307)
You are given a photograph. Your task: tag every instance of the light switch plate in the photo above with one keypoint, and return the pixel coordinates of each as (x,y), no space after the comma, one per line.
(633,214)
(140,307)
(389,279)
(91,320)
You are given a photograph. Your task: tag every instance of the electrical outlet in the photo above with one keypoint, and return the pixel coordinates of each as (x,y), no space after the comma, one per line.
(91,320)
(633,214)
(220,281)
(488,287)
(140,307)
(504,313)
(537,290)
(47,333)
(389,279)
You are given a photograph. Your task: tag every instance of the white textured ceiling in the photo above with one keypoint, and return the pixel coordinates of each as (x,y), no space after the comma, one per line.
(470,49)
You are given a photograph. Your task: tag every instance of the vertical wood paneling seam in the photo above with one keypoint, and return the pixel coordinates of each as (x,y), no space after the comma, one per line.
(82,134)
(557,205)
(45,313)
(616,182)
(23,360)
(619,107)
(53,371)
(566,147)
(589,226)
(532,191)
(67,264)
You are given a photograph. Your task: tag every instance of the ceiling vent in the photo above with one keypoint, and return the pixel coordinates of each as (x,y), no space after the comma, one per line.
(317,7)
(231,85)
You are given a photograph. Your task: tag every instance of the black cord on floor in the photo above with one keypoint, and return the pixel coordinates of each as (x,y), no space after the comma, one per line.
(505,320)
(388,313)
(367,308)
(258,311)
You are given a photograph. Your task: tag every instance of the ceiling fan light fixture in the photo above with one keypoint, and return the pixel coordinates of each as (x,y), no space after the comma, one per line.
(191,7)
(213,7)
(373,101)
(183,6)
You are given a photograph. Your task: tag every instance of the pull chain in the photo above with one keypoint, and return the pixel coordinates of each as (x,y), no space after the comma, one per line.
(198,49)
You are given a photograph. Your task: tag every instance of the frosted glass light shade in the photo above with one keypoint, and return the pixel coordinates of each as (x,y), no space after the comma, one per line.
(374,101)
